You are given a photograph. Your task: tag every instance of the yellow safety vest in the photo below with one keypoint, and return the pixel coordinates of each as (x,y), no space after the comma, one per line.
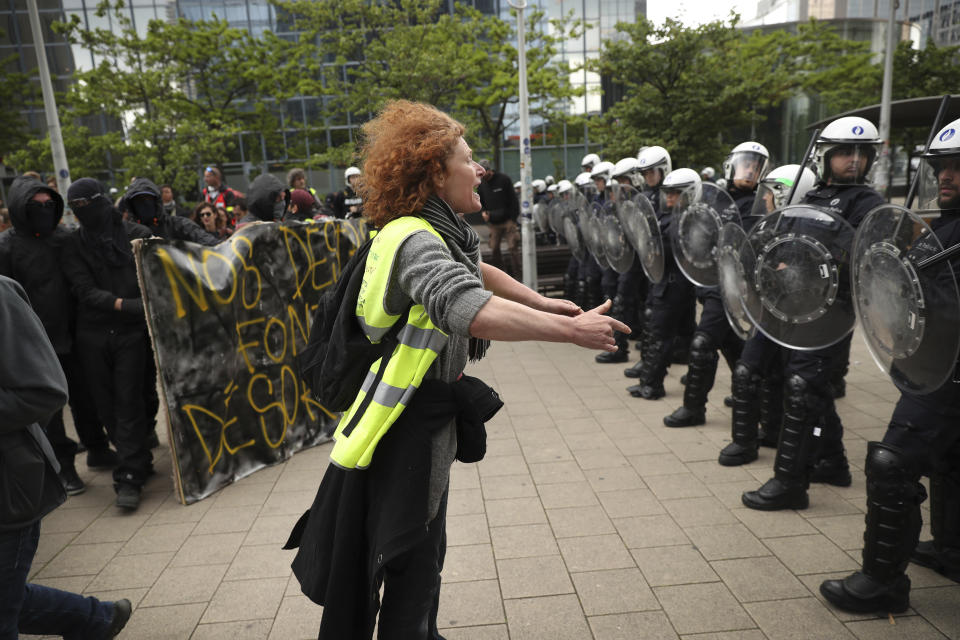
(393,385)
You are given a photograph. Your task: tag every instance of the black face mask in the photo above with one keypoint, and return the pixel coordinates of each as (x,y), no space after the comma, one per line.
(144,210)
(42,217)
(95,215)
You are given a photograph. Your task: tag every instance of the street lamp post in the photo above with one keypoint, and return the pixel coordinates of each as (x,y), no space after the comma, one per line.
(884,165)
(49,103)
(526,217)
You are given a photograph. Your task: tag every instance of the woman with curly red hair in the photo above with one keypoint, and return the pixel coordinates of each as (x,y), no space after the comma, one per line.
(395,445)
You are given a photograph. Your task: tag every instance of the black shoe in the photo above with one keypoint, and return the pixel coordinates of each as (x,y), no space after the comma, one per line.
(684,417)
(833,471)
(735,454)
(728,402)
(634,371)
(683,379)
(128,496)
(81,448)
(102,458)
(648,392)
(945,562)
(121,614)
(152,440)
(612,357)
(860,593)
(774,495)
(71,481)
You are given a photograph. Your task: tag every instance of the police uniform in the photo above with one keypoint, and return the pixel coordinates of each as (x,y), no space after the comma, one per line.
(672,303)
(922,439)
(713,333)
(811,428)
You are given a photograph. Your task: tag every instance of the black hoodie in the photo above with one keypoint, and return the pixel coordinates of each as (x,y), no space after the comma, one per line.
(261,198)
(159,221)
(35,262)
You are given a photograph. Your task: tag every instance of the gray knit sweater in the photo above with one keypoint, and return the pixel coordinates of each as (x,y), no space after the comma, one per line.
(450,288)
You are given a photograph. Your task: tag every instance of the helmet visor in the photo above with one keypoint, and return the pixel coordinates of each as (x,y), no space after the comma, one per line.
(771,195)
(746,168)
(939,186)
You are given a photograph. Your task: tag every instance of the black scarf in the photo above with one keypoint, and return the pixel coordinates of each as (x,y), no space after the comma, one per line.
(454,230)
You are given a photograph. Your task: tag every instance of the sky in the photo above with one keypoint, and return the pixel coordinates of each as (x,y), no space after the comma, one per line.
(694,12)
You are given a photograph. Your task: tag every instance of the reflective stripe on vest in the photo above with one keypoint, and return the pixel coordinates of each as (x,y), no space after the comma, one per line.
(390,386)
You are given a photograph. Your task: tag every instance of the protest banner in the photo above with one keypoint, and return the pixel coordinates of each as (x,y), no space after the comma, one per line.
(227,323)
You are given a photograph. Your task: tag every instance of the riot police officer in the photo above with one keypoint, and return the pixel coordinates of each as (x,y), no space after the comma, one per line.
(590,274)
(757,381)
(672,300)
(921,439)
(811,428)
(653,164)
(745,166)
(631,286)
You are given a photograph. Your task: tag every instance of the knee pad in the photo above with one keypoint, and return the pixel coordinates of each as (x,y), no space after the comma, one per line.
(703,350)
(743,375)
(891,476)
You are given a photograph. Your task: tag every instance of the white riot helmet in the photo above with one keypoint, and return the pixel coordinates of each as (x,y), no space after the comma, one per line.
(855,136)
(775,186)
(517,185)
(583,181)
(551,188)
(748,161)
(589,161)
(655,158)
(628,168)
(564,186)
(708,173)
(539,186)
(549,180)
(943,154)
(602,171)
(351,171)
(687,183)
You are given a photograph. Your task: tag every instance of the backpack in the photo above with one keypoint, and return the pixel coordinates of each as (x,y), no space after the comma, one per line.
(338,354)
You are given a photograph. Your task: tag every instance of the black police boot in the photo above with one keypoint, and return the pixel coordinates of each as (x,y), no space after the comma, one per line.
(728,401)
(613,357)
(771,411)
(894,494)
(942,554)
(700,377)
(833,470)
(655,360)
(787,489)
(746,412)
(634,371)
(72,483)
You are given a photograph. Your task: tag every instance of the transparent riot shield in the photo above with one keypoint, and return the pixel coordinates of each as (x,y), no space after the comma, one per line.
(798,267)
(570,224)
(617,248)
(593,233)
(909,316)
(639,221)
(696,230)
(734,291)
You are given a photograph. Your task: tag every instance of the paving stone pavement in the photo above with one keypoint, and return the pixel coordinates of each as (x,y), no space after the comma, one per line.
(587,519)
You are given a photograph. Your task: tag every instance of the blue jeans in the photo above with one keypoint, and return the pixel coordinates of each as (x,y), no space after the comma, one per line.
(33,609)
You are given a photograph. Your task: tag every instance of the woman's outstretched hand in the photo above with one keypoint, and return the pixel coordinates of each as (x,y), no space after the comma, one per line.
(594,330)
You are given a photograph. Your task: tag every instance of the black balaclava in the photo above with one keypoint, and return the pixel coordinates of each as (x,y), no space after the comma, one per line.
(43,217)
(143,208)
(99,211)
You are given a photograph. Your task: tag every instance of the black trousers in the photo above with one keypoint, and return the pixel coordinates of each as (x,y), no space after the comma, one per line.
(114,360)
(816,368)
(82,406)
(927,429)
(714,323)
(411,586)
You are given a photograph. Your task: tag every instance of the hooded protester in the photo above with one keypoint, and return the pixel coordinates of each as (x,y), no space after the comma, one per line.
(111,331)
(266,200)
(30,253)
(142,200)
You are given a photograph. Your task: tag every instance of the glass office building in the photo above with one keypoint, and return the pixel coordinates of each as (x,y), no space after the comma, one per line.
(555,152)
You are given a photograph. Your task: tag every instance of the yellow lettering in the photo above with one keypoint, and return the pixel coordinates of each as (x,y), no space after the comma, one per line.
(243,346)
(175,277)
(273,322)
(248,271)
(231,278)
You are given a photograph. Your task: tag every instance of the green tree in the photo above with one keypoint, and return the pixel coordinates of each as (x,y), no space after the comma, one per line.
(182,93)
(368,53)
(18,92)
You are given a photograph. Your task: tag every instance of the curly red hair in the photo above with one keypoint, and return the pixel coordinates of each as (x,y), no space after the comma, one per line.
(405,151)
